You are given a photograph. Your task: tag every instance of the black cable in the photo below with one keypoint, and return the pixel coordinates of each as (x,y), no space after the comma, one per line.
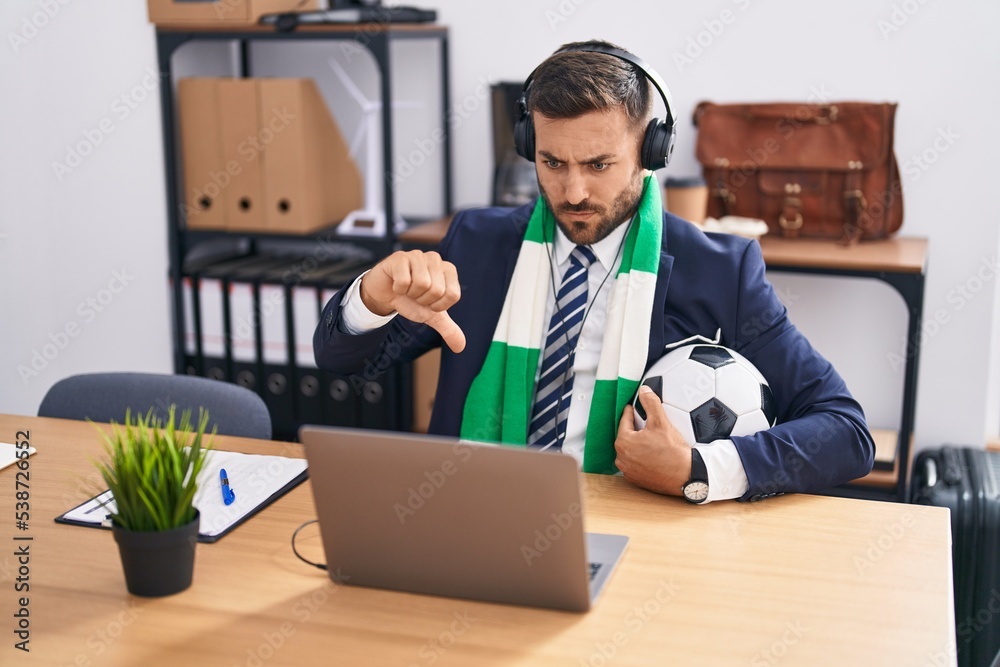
(296,551)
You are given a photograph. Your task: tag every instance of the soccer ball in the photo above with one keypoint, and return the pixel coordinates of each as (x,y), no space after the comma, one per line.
(709,393)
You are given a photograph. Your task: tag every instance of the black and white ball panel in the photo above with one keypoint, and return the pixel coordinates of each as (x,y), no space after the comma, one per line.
(710,392)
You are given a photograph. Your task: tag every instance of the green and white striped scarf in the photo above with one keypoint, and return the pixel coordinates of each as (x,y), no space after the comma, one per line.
(498,407)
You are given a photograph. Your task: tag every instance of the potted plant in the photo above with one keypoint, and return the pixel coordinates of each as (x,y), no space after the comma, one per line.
(152,471)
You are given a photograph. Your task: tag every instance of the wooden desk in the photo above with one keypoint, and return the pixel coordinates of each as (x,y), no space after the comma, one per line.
(800,580)
(896,255)
(426,235)
(900,262)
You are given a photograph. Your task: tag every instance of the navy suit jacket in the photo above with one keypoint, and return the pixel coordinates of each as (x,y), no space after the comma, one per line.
(706,282)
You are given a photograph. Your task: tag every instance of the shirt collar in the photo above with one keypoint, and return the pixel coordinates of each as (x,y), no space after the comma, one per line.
(606,250)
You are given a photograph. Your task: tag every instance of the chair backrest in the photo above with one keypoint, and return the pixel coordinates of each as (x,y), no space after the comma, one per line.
(105,397)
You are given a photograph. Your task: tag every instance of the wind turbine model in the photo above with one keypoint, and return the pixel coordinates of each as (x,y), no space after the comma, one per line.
(369,221)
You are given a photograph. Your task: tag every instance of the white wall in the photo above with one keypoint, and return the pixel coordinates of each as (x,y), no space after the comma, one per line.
(66,233)
(65,237)
(993,382)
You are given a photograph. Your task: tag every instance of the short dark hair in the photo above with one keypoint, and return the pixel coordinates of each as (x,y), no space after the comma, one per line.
(570,83)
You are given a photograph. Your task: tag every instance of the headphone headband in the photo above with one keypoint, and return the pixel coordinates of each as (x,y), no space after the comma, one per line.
(658,142)
(635,60)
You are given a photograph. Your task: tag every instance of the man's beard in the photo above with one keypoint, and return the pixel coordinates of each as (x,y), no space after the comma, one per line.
(589,233)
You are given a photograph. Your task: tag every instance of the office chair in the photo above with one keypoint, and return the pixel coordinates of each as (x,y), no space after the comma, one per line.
(103,397)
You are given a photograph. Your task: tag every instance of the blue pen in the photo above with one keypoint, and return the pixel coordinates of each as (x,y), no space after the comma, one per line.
(228,495)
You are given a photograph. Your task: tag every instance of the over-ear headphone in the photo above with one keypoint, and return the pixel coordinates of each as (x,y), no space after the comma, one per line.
(658,142)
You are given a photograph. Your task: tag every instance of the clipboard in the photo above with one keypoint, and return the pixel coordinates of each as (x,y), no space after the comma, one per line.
(257,479)
(9,454)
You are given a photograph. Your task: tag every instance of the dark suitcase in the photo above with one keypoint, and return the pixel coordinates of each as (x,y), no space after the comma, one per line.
(967,481)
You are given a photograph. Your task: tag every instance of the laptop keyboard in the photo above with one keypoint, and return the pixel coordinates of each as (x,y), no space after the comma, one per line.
(594,569)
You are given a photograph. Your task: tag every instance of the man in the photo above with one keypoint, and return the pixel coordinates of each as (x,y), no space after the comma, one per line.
(550,313)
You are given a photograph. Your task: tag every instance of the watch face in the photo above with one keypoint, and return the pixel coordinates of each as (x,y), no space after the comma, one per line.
(696,492)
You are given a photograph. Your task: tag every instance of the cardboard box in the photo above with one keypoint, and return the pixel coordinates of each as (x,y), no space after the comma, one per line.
(310,179)
(263,155)
(223,12)
(241,156)
(204,171)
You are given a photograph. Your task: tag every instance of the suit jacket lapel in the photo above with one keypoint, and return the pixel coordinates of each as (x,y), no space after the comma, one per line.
(489,315)
(520,224)
(656,331)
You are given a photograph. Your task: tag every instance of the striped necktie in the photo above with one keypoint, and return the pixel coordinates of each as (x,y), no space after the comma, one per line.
(555,382)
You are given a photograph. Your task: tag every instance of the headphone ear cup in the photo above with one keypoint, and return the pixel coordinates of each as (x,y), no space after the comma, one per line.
(524,133)
(657,145)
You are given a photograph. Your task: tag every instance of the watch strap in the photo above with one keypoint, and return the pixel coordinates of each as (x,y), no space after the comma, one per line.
(699,471)
(695,490)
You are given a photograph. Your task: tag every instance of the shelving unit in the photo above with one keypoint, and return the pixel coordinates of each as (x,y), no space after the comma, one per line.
(901,263)
(297,394)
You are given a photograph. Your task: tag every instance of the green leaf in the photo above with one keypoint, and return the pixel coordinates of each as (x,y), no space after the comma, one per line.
(152,468)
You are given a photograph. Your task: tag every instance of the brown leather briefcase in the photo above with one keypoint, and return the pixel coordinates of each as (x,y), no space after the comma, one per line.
(808,170)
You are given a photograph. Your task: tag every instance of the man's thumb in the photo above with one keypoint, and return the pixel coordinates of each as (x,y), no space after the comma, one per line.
(451,333)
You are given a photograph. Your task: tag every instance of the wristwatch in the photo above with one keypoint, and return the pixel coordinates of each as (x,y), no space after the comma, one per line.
(696,488)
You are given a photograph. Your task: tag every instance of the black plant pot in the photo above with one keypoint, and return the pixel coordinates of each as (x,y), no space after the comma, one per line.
(157,563)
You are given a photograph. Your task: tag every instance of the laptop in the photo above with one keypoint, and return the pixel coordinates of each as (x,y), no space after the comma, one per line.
(449,517)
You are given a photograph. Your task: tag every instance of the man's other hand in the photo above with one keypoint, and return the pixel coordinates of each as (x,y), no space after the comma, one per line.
(656,458)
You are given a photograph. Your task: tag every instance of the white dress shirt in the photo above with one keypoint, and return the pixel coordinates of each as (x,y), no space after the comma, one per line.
(726,476)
